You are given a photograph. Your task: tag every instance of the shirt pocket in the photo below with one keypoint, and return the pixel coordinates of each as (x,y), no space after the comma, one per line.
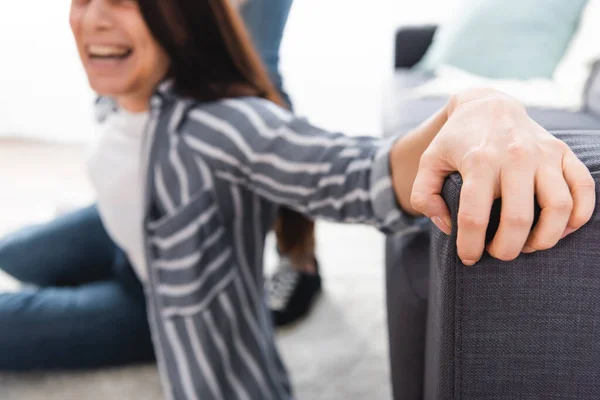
(191,257)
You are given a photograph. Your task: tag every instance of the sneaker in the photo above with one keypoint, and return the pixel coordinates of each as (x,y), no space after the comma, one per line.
(291,294)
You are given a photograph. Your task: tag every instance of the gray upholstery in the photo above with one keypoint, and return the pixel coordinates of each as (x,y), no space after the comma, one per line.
(411,44)
(522,330)
(527,329)
(407,297)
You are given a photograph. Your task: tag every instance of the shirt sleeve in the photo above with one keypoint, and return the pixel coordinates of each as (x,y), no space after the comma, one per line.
(283,158)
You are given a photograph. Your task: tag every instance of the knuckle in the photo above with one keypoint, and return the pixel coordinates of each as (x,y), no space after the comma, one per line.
(468,221)
(580,217)
(561,205)
(428,158)
(585,182)
(559,146)
(469,254)
(418,200)
(521,220)
(477,158)
(519,150)
(541,242)
(505,254)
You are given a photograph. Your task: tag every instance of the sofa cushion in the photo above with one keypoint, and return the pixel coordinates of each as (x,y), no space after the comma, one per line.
(511,39)
(403,112)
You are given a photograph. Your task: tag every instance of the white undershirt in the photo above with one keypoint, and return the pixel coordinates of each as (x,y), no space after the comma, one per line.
(114,167)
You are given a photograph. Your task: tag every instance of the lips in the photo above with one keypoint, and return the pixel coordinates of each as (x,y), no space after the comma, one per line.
(107,52)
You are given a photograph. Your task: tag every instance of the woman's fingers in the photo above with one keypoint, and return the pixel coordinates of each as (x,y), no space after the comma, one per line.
(583,191)
(555,200)
(501,152)
(476,199)
(516,215)
(567,197)
(426,193)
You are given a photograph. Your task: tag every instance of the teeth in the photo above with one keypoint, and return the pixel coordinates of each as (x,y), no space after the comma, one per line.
(107,51)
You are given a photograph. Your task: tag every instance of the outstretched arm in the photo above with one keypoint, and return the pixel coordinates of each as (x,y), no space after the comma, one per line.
(290,162)
(484,135)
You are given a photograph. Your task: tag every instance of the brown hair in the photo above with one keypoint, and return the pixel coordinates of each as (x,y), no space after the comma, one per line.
(212,57)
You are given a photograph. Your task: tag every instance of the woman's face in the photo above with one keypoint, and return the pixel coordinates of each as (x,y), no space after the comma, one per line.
(118,52)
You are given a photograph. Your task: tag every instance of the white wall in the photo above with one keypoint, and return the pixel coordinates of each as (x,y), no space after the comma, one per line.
(424,11)
(336,57)
(43,89)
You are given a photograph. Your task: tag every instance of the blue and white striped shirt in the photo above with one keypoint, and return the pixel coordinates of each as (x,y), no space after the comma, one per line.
(217,173)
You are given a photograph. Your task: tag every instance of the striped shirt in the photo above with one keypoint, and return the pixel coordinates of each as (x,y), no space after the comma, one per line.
(216,174)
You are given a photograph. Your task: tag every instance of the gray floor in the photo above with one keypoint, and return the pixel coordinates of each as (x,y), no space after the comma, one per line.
(338,352)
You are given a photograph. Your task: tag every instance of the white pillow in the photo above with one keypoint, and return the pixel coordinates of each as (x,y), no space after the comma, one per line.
(575,67)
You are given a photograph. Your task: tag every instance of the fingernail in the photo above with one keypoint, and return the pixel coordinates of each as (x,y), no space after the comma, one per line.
(442,225)
(448,222)
(528,250)
(568,231)
(469,263)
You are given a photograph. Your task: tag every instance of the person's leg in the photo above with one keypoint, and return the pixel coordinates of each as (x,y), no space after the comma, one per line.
(266,20)
(294,286)
(90,310)
(70,250)
(94,325)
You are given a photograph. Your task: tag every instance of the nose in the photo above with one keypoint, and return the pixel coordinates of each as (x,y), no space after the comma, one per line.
(97,15)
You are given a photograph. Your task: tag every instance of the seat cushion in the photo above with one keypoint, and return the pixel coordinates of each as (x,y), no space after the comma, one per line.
(403,112)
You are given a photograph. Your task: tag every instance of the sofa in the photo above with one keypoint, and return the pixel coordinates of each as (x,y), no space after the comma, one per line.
(526,329)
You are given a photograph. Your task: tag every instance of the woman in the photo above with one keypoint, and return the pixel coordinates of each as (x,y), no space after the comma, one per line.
(218,157)
(86,282)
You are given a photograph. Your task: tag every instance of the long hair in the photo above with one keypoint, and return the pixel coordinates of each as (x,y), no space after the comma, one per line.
(212,57)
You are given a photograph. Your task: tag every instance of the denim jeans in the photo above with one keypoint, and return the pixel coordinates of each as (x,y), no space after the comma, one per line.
(83,307)
(265,20)
(87,308)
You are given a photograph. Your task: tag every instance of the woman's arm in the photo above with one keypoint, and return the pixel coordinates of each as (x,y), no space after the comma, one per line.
(406,156)
(285,159)
(484,135)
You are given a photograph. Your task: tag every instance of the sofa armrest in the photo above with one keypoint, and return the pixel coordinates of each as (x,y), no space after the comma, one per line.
(526,329)
(411,44)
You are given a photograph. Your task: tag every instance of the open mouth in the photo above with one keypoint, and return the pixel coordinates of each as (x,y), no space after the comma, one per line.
(104,52)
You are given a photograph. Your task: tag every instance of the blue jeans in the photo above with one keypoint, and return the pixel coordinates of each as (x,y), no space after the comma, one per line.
(87,308)
(265,20)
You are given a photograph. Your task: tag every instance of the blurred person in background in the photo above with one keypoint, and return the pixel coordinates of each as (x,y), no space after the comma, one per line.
(292,289)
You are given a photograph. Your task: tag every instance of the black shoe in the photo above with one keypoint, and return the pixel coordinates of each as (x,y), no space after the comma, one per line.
(291,294)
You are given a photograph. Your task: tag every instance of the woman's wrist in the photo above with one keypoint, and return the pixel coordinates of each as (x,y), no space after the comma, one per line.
(405,156)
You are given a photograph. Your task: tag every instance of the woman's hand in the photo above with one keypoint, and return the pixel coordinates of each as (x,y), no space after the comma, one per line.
(500,152)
